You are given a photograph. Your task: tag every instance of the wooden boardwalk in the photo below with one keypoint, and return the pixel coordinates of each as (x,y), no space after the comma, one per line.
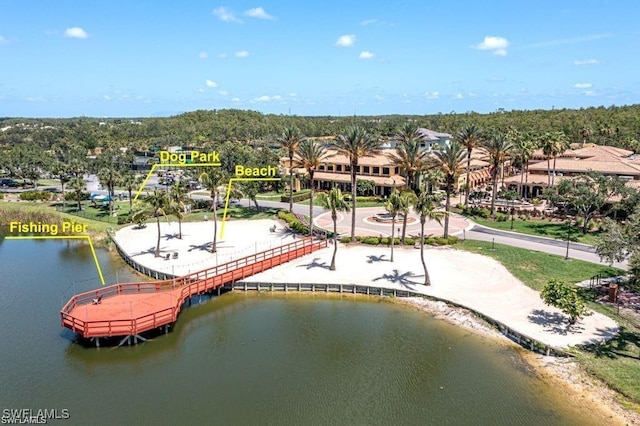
(129,309)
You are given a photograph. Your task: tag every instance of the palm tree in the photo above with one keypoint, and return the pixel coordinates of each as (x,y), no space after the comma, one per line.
(409,155)
(178,201)
(426,205)
(353,144)
(393,207)
(523,150)
(470,137)
(77,185)
(290,141)
(498,149)
(585,133)
(450,161)
(310,155)
(433,178)
(155,205)
(606,132)
(130,182)
(109,178)
(555,143)
(406,199)
(212,179)
(333,201)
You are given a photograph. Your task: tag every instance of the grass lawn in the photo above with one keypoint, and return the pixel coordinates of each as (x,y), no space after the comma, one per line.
(616,363)
(234,212)
(95,228)
(542,228)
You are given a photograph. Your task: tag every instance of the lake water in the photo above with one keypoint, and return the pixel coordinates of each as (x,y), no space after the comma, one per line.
(248,358)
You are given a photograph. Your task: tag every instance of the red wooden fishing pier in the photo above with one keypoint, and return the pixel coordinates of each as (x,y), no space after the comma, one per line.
(129,309)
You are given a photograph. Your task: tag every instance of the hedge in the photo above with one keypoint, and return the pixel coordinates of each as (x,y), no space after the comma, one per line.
(385,241)
(297,197)
(35,195)
(293,222)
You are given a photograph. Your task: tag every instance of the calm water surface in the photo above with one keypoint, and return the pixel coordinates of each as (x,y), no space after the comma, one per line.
(255,359)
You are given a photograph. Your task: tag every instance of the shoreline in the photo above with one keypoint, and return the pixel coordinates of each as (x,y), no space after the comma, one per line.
(558,371)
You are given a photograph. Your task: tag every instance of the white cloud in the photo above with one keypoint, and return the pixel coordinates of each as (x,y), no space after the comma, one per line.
(203,55)
(378,97)
(586,62)
(432,95)
(258,13)
(235,99)
(222,55)
(211,83)
(582,85)
(75,32)
(3,40)
(368,21)
(106,97)
(498,45)
(200,90)
(241,54)
(472,94)
(293,94)
(265,98)
(346,40)
(223,92)
(589,93)
(365,54)
(225,14)
(458,96)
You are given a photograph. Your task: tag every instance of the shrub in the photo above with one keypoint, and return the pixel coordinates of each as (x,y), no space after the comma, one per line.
(370,240)
(345,240)
(293,222)
(297,197)
(35,195)
(484,213)
(409,241)
(501,217)
(1,196)
(124,219)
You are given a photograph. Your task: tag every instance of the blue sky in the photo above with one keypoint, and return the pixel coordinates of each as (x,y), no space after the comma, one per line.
(120,58)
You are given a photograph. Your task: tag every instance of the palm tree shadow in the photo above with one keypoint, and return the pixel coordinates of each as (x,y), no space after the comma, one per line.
(314,264)
(397,278)
(624,341)
(206,246)
(372,258)
(171,236)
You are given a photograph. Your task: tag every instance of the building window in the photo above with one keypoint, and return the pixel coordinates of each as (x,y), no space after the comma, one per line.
(339,168)
(385,171)
(376,170)
(321,167)
(366,170)
(395,171)
(347,168)
(330,168)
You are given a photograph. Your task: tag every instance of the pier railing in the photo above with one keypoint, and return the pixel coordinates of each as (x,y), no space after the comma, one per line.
(183,287)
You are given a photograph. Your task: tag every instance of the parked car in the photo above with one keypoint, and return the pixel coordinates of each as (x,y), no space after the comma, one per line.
(11,183)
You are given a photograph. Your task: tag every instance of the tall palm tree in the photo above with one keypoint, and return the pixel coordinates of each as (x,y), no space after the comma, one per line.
(560,144)
(393,207)
(606,132)
(290,141)
(406,200)
(130,182)
(353,144)
(212,179)
(178,201)
(77,185)
(585,133)
(470,137)
(310,155)
(335,202)
(498,149)
(155,205)
(524,147)
(427,207)
(410,156)
(109,178)
(450,161)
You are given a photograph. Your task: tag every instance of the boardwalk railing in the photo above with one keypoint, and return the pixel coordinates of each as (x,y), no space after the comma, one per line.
(181,287)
